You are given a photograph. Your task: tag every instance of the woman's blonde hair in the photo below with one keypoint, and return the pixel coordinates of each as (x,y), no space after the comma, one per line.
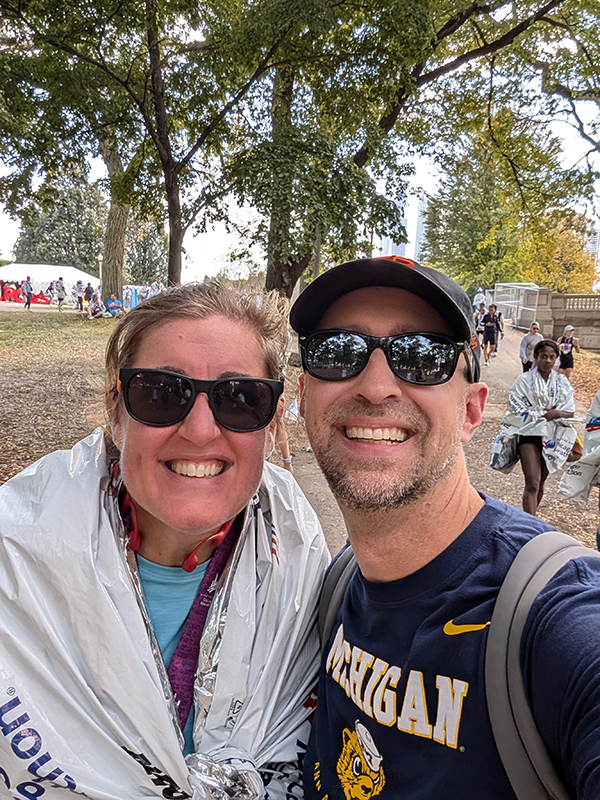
(264,313)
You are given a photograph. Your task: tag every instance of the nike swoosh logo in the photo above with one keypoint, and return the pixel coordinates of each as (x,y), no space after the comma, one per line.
(450,629)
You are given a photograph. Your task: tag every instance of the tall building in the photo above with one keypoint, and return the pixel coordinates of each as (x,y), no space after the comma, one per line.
(593,246)
(420,241)
(387,247)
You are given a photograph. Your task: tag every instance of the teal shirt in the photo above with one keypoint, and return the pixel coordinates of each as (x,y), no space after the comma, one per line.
(169,593)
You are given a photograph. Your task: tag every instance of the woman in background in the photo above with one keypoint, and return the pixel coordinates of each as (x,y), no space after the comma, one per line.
(566,344)
(537,403)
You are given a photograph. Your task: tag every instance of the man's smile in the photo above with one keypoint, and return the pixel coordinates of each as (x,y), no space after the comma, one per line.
(389,436)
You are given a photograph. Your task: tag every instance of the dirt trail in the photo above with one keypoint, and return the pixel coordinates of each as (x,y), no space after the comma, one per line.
(499,376)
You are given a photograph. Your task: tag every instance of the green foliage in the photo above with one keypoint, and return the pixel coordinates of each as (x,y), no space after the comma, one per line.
(504,192)
(282,104)
(241,278)
(70,232)
(146,252)
(559,261)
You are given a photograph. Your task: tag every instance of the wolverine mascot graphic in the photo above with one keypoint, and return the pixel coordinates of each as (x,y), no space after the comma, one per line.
(359,765)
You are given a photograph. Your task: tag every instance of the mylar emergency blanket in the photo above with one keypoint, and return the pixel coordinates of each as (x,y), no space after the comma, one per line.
(85,704)
(528,400)
(579,478)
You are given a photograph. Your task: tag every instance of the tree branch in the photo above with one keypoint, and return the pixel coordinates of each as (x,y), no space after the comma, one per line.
(260,70)
(387,122)
(99,64)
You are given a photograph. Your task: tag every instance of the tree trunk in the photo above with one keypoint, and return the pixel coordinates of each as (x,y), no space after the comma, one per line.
(281,120)
(286,276)
(176,230)
(116,225)
(176,234)
(163,144)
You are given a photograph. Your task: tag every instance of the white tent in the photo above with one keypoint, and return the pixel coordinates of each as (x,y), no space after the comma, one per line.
(43,274)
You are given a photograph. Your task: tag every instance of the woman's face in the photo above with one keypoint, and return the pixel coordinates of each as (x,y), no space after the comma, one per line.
(176,505)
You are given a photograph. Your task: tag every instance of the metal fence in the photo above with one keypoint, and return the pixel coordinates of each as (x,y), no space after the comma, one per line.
(517,302)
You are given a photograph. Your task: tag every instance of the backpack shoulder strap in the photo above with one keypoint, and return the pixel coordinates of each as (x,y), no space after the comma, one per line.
(332,593)
(521,748)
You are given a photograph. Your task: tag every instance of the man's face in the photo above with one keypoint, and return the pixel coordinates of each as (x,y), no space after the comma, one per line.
(382,442)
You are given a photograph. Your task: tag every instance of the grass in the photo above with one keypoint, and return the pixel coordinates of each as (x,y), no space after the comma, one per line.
(51,378)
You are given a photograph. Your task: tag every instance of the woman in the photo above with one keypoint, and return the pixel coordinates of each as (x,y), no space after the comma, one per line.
(533,426)
(95,310)
(566,344)
(478,320)
(528,342)
(159,602)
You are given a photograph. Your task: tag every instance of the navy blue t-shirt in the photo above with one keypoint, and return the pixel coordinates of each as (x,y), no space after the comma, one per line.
(402,708)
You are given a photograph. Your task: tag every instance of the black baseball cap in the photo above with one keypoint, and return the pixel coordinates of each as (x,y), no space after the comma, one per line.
(437,289)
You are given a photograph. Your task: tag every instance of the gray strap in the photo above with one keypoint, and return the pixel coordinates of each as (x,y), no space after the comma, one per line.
(519,744)
(333,591)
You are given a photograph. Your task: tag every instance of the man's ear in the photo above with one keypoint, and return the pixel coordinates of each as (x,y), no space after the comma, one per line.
(474,406)
(302,387)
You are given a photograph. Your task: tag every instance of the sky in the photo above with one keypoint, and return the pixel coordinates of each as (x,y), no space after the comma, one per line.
(206,254)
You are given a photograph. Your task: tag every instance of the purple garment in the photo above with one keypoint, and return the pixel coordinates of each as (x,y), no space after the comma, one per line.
(182,669)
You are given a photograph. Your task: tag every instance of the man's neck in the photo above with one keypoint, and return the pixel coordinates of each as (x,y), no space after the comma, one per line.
(393,543)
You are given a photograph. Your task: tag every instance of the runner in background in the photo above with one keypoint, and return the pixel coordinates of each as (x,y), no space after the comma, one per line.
(490,333)
(566,344)
(478,319)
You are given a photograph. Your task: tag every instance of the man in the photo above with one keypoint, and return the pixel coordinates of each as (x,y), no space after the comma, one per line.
(156,287)
(27,289)
(490,333)
(79,292)
(61,293)
(479,297)
(528,343)
(389,394)
(478,320)
(114,306)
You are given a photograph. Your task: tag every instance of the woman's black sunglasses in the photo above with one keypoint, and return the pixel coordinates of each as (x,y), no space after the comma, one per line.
(160,398)
(426,359)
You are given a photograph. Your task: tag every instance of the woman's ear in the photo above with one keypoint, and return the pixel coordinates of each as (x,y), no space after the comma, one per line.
(113,412)
(273,428)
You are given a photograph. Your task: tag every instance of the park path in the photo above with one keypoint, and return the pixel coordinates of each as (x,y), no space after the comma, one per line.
(499,377)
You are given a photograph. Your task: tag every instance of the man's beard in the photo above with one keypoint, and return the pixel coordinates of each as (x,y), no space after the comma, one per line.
(369,486)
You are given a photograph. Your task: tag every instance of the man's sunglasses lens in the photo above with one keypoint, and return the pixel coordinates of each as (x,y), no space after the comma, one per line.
(416,358)
(336,357)
(419,359)
(162,399)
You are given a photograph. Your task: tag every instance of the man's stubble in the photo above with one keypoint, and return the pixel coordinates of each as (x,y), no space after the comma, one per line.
(378,484)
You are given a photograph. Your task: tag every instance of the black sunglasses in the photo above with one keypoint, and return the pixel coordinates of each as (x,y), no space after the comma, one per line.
(159,398)
(426,359)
